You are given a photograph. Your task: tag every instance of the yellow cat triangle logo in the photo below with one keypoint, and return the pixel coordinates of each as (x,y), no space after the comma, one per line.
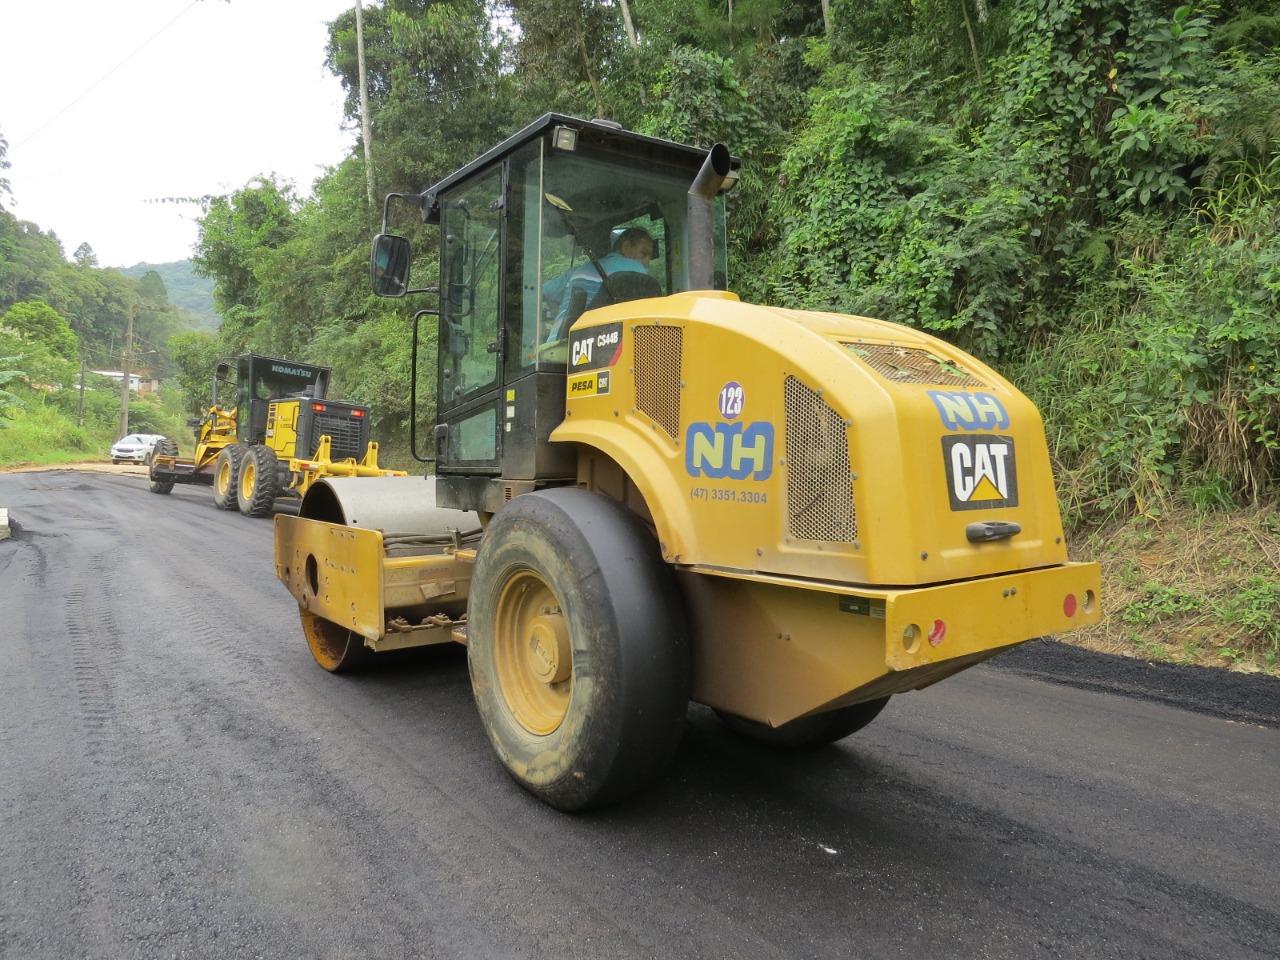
(985,490)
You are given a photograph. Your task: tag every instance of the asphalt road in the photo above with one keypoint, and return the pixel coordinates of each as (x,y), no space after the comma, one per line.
(179,779)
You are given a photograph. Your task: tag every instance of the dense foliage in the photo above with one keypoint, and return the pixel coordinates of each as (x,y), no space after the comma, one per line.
(1081,191)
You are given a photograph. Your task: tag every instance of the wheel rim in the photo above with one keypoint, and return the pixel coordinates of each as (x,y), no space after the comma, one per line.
(248,477)
(533,654)
(222,478)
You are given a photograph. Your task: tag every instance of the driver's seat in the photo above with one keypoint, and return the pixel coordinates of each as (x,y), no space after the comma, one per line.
(625,285)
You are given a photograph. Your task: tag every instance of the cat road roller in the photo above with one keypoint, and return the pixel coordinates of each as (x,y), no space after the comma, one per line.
(278,435)
(648,491)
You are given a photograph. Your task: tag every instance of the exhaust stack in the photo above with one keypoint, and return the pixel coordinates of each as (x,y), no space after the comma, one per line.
(715,170)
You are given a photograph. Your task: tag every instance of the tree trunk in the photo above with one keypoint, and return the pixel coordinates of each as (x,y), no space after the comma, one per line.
(631,27)
(366,127)
(973,44)
(601,112)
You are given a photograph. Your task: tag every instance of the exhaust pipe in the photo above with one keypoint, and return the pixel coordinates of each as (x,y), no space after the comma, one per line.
(715,170)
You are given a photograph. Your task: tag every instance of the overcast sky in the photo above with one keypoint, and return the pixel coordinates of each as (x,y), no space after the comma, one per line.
(110,105)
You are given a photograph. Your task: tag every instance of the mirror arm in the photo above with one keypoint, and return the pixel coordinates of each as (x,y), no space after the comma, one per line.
(413,199)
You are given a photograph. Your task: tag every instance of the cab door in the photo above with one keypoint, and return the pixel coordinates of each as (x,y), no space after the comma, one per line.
(472,228)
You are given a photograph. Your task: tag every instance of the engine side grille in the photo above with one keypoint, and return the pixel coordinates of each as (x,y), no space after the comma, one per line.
(344,435)
(659,355)
(819,479)
(912,365)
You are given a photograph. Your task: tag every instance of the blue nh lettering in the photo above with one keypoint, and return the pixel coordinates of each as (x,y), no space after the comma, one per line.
(733,450)
(969,411)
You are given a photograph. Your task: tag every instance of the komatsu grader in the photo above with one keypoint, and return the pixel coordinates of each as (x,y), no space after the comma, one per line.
(278,435)
(788,516)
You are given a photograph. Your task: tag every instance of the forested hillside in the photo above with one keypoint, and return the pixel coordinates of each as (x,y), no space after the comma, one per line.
(187,291)
(63,318)
(1084,192)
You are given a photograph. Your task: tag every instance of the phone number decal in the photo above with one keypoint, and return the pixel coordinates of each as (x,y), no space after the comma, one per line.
(724,494)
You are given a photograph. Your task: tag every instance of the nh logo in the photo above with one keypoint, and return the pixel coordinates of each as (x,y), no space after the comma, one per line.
(969,411)
(734,451)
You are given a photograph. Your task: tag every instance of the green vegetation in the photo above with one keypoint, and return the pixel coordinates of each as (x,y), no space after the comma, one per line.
(188,292)
(1192,586)
(1085,193)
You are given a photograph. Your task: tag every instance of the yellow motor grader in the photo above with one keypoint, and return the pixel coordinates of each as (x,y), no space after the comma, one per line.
(278,434)
(788,516)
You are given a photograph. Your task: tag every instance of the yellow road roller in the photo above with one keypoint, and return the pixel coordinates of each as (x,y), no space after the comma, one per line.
(647,491)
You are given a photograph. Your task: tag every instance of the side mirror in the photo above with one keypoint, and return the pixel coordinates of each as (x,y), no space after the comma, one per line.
(389,266)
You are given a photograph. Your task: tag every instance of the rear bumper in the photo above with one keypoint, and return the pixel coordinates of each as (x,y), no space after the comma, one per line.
(773,649)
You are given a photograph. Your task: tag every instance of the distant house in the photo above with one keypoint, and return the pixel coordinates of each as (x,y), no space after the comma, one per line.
(138,382)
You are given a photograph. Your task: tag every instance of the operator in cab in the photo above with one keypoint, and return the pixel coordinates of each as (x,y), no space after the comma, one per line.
(632,252)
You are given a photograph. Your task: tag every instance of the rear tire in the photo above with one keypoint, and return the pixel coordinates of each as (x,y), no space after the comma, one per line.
(226,475)
(256,488)
(813,731)
(164,448)
(335,648)
(577,648)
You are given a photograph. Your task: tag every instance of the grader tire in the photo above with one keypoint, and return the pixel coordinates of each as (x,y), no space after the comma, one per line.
(814,731)
(335,648)
(164,448)
(257,487)
(226,475)
(577,647)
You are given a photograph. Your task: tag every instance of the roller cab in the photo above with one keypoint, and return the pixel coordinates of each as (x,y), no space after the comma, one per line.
(647,491)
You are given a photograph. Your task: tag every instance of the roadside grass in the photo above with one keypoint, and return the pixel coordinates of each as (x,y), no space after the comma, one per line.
(42,430)
(41,434)
(1193,585)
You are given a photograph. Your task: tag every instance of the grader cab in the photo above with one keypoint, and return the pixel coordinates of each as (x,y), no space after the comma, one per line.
(648,491)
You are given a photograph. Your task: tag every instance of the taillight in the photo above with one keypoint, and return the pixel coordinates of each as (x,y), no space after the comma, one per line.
(938,633)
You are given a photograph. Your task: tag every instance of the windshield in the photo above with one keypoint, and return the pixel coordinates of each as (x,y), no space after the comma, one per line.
(601,217)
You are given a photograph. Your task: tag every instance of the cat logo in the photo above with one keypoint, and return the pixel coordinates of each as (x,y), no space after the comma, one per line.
(981,472)
(595,347)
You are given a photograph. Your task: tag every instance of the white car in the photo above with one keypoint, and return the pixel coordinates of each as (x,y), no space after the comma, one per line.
(135,448)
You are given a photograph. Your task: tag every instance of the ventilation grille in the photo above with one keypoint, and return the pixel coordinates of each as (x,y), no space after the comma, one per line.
(344,436)
(659,354)
(819,479)
(912,365)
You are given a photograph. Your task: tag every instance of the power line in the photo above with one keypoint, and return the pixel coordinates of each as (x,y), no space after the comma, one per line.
(97,83)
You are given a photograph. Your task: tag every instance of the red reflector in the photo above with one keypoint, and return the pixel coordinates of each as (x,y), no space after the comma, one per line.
(357,413)
(1069,605)
(318,406)
(938,633)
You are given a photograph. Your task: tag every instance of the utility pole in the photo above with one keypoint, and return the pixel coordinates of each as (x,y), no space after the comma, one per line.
(80,406)
(366,126)
(124,366)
